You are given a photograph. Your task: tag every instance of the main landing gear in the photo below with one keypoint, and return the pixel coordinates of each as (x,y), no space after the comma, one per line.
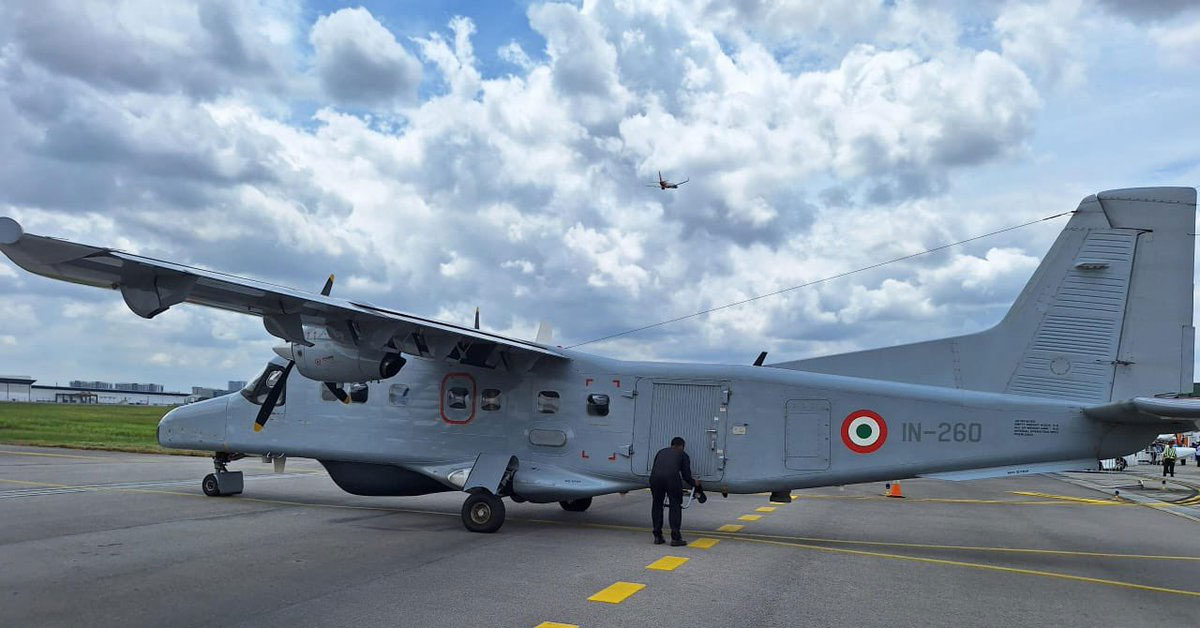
(223,481)
(483,512)
(576,505)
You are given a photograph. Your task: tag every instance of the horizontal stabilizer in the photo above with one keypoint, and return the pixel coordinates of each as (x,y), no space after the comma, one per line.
(1013,470)
(1146,410)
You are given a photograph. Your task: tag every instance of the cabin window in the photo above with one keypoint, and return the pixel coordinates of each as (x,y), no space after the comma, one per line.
(256,391)
(490,399)
(547,401)
(456,397)
(398,394)
(597,405)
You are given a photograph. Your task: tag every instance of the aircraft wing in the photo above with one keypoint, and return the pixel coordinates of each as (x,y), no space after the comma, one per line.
(151,286)
(1147,411)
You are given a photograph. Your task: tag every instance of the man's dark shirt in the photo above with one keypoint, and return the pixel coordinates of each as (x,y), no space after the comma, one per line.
(669,465)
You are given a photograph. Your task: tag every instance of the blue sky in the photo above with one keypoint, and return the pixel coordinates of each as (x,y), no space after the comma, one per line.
(443,156)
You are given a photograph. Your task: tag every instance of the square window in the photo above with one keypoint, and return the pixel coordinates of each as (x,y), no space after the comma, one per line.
(398,394)
(456,397)
(597,404)
(490,399)
(547,402)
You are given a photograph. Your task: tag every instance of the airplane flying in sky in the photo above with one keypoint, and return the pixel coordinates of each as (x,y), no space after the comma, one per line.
(1086,365)
(663,184)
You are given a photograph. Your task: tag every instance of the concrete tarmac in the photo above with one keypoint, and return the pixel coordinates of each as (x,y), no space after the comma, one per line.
(116,539)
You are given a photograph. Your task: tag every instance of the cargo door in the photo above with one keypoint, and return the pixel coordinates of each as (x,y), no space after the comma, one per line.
(693,410)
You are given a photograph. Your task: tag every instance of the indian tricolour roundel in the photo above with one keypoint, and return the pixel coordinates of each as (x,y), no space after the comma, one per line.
(864,431)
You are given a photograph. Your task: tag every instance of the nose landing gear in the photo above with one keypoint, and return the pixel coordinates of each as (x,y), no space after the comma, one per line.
(223,481)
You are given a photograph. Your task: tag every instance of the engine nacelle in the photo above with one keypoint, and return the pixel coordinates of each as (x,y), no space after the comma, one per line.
(329,361)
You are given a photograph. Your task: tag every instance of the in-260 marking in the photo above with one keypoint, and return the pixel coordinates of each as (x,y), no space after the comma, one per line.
(943,432)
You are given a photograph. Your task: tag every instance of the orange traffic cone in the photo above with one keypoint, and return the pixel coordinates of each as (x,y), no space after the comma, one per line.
(893,490)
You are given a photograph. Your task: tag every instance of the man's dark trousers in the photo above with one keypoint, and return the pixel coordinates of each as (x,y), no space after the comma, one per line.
(674,494)
(1168,467)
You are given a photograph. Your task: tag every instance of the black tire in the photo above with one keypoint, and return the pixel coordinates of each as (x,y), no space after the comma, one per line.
(483,512)
(209,484)
(576,505)
(1121,464)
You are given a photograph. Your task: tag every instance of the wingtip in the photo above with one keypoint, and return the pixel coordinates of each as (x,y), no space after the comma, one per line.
(10,230)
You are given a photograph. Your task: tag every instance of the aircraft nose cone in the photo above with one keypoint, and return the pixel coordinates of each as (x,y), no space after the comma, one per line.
(284,351)
(199,425)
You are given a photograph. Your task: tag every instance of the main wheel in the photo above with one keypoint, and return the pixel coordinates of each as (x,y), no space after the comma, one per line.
(576,505)
(483,512)
(209,484)
(1121,464)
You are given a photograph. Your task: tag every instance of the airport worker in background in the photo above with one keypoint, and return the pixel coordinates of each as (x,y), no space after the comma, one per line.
(1169,456)
(672,469)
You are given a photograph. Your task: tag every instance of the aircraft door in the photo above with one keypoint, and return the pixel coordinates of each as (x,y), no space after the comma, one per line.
(806,435)
(693,410)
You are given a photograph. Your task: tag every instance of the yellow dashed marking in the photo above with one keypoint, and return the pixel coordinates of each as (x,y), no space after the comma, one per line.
(554,624)
(704,543)
(765,509)
(730,527)
(667,563)
(749,517)
(616,593)
(1068,498)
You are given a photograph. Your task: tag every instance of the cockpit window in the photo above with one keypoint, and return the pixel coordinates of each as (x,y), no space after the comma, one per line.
(257,390)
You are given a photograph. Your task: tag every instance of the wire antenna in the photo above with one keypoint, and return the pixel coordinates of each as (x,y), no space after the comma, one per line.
(818,281)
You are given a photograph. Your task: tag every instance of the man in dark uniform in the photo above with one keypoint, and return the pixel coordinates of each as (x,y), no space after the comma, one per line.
(672,468)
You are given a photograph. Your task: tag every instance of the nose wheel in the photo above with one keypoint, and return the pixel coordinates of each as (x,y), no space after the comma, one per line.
(483,512)
(223,481)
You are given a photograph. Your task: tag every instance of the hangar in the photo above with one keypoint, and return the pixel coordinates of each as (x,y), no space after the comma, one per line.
(23,388)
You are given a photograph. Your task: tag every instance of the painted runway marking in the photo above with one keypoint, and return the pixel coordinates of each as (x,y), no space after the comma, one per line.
(616,593)
(749,517)
(554,624)
(1083,500)
(48,488)
(980,566)
(765,509)
(703,543)
(75,456)
(667,563)
(730,527)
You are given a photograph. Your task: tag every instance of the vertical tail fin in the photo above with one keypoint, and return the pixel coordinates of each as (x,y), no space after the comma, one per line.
(1107,314)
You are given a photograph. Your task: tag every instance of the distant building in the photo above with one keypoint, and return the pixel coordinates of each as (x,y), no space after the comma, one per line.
(203,392)
(83,394)
(236,385)
(77,383)
(139,387)
(15,387)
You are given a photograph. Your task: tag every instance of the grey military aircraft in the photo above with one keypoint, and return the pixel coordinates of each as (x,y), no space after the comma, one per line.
(1087,364)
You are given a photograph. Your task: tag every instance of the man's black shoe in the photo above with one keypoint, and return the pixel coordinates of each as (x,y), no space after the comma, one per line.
(658,540)
(678,542)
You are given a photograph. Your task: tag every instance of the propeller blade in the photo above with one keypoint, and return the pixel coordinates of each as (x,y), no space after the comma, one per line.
(268,406)
(328,286)
(338,392)
(476,318)
(762,356)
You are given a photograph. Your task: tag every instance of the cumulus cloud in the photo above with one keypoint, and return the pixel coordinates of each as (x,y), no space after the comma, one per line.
(1046,38)
(1179,44)
(359,61)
